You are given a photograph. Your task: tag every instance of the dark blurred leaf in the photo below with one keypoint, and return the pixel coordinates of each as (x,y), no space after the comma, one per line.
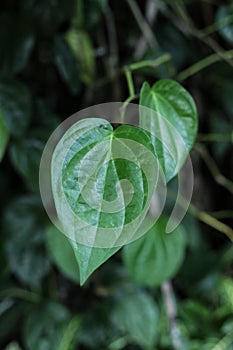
(10,319)
(24,226)
(97,318)
(88,12)
(45,327)
(16,43)
(3,135)
(156,256)
(137,316)
(171,40)
(47,15)
(67,65)
(15,104)
(25,156)
(225,19)
(81,46)
(197,317)
(62,253)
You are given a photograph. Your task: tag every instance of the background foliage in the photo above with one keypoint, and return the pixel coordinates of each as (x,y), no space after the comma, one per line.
(57,57)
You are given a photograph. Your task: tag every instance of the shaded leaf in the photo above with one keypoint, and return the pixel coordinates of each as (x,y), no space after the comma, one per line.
(24,225)
(156,256)
(62,253)
(137,316)
(45,326)
(3,135)
(81,46)
(67,65)
(16,43)
(15,104)
(25,156)
(225,19)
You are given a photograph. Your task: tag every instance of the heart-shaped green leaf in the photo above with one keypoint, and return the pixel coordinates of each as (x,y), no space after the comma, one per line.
(3,135)
(156,256)
(103,181)
(171,119)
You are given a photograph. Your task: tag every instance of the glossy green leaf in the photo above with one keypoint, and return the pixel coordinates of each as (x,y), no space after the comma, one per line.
(137,316)
(3,135)
(156,256)
(15,104)
(24,226)
(171,118)
(25,156)
(16,43)
(81,46)
(67,65)
(224,19)
(62,253)
(98,209)
(104,188)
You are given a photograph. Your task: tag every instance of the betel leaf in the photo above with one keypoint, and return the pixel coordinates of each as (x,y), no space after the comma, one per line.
(15,104)
(171,118)
(136,315)
(156,256)
(3,135)
(62,253)
(24,227)
(102,182)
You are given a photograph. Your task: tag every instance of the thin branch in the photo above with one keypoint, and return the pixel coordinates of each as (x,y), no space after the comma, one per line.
(215,137)
(204,63)
(150,15)
(212,166)
(21,294)
(185,24)
(170,304)
(203,216)
(113,59)
(143,24)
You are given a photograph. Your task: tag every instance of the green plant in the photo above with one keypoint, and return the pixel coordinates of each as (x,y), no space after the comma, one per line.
(98,209)
(162,291)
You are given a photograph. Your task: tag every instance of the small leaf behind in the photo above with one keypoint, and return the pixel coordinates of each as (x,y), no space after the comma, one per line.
(156,256)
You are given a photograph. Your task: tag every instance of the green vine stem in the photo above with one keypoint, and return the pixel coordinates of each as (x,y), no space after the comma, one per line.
(204,63)
(142,23)
(140,65)
(69,334)
(212,166)
(203,216)
(215,137)
(21,294)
